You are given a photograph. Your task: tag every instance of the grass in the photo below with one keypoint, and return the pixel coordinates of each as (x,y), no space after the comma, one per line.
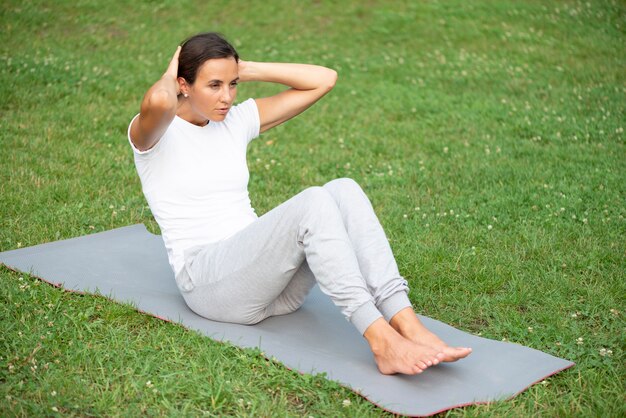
(488,135)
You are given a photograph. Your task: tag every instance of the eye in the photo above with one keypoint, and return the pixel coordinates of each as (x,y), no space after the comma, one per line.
(234,84)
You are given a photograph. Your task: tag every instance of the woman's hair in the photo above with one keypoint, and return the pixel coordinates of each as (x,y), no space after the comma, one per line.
(200,48)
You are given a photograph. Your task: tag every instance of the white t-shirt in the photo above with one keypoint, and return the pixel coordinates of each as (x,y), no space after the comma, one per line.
(195,180)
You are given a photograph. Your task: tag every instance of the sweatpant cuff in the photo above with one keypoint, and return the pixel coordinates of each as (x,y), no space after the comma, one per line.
(394,304)
(364,315)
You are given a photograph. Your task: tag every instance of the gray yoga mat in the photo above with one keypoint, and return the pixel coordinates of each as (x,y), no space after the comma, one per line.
(130,265)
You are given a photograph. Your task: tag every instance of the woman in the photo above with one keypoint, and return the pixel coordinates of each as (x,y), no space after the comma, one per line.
(189,144)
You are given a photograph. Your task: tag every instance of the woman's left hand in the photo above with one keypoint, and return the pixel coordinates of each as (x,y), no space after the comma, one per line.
(243,70)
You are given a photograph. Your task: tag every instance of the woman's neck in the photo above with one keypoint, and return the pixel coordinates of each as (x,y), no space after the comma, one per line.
(185,112)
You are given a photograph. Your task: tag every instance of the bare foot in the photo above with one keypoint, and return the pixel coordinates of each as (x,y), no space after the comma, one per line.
(395,354)
(410,327)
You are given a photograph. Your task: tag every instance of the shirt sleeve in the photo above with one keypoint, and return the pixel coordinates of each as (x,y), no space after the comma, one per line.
(136,151)
(246,116)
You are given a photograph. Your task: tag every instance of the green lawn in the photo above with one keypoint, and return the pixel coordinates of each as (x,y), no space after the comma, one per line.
(489,136)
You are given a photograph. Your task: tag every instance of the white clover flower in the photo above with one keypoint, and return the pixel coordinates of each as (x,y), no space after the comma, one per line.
(346,403)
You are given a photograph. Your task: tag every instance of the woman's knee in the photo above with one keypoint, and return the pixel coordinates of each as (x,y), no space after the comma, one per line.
(345,190)
(342,185)
(318,200)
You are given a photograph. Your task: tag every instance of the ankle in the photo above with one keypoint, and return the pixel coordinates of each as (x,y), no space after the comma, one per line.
(379,335)
(406,321)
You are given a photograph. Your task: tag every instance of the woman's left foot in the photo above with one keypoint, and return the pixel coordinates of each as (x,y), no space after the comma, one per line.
(411,328)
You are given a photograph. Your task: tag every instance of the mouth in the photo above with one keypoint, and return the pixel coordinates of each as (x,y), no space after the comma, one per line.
(222,110)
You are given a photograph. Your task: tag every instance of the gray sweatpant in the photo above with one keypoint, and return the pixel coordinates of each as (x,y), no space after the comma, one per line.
(329,235)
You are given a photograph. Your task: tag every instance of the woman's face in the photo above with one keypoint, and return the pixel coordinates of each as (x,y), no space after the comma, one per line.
(214,91)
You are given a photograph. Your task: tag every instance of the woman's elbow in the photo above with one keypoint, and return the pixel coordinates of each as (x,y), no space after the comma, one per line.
(331,79)
(161,101)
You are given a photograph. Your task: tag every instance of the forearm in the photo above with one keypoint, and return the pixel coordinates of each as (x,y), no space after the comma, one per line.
(297,76)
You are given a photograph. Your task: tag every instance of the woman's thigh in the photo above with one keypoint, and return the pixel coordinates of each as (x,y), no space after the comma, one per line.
(238,279)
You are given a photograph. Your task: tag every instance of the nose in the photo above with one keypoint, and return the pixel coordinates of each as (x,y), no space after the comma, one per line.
(227,95)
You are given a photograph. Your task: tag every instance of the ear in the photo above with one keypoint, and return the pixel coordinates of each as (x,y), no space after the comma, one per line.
(183,87)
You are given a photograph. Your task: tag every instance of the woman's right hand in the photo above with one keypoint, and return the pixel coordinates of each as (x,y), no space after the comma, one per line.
(172,68)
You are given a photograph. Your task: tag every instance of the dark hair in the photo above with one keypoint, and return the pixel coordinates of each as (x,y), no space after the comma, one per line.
(200,48)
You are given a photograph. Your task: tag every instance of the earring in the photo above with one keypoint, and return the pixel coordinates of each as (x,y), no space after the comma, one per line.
(185,94)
